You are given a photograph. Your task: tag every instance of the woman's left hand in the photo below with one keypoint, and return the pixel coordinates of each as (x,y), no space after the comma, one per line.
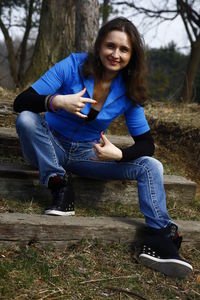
(106,150)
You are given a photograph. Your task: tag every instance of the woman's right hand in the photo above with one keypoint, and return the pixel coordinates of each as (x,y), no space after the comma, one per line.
(72,103)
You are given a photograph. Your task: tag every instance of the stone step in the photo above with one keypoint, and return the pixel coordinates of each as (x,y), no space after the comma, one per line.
(25,229)
(9,142)
(21,182)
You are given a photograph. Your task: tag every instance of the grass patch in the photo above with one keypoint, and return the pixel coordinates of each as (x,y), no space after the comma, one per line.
(188,211)
(20,206)
(89,270)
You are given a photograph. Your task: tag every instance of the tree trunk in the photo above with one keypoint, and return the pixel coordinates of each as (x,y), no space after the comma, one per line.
(192,67)
(105,11)
(87,24)
(55,38)
(11,53)
(23,47)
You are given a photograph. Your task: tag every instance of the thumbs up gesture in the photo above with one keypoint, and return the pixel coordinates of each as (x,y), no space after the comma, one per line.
(106,150)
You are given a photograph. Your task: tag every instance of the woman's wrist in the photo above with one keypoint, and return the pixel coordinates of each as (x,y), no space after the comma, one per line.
(119,155)
(55,102)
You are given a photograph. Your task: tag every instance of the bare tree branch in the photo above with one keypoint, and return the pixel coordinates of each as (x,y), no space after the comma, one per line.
(142,9)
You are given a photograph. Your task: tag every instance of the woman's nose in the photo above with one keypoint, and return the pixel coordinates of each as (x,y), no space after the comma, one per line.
(115,53)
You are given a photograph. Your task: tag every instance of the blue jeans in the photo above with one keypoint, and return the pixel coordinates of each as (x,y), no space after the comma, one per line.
(53,155)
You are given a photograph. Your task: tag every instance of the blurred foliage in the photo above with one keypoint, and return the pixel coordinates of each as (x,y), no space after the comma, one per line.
(167,68)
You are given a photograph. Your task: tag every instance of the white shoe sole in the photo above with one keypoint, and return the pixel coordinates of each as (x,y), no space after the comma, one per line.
(53,212)
(171,267)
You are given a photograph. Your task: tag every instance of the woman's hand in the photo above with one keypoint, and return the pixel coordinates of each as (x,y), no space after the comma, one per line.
(72,103)
(106,150)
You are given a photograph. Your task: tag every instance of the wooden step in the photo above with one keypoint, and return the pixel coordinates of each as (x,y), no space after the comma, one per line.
(9,142)
(21,182)
(23,229)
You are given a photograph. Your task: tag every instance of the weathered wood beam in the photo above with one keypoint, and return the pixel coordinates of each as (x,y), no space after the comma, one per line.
(22,229)
(9,142)
(22,183)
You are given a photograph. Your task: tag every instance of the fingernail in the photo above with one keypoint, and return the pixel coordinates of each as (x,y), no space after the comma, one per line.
(102,133)
(95,102)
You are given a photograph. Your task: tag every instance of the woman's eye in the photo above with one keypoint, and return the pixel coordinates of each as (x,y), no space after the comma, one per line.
(124,50)
(110,46)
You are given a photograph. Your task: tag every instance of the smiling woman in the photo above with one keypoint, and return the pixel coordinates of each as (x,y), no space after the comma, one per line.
(127,37)
(115,53)
(82,95)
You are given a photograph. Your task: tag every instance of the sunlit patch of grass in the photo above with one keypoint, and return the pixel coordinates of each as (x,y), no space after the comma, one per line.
(20,268)
(20,206)
(90,270)
(188,211)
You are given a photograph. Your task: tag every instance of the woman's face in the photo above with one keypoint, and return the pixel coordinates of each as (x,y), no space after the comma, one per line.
(115,51)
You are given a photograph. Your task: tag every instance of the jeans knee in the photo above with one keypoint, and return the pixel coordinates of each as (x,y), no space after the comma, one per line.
(25,121)
(153,165)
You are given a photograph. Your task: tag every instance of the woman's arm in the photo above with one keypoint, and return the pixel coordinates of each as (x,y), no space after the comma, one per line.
(30,100)
(144,146)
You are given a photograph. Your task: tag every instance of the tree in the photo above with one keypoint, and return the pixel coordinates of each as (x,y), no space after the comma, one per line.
(17,56)
(166,72)
(55,39)
(188,10)
(105,10)
(191,20)
(56,34)
(87,24)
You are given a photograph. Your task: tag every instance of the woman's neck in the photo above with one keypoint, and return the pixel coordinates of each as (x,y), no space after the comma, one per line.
(108,76)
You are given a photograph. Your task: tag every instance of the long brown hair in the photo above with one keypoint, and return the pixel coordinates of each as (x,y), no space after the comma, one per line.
(135,72)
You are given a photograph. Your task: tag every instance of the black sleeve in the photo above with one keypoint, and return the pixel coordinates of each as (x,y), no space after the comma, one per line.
(29,100)
(144,146)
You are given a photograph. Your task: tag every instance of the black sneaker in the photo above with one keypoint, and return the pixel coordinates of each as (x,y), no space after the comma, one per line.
(160,252)
(63,198)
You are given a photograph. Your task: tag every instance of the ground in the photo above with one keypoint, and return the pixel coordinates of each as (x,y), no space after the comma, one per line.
(90,269)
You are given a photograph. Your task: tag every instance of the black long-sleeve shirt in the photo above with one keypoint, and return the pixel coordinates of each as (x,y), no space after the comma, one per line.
(32,101)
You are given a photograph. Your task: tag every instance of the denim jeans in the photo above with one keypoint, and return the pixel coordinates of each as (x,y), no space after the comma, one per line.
(53,155)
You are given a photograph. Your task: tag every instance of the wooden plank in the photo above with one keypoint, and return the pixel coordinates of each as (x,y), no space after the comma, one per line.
(10,143)
(10,134)
(60,231)
(21,182)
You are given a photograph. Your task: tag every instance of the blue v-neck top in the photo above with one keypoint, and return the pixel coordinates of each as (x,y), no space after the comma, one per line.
(66,77)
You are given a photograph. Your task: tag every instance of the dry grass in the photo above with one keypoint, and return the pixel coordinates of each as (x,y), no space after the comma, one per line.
(186,115)
(90,270)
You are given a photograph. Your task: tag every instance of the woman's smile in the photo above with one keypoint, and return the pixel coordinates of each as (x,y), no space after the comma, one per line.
(113,62)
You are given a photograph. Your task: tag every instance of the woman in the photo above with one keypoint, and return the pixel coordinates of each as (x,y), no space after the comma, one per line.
(81,95)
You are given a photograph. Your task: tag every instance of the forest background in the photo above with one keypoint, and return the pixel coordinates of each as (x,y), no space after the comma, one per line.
(32,28)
